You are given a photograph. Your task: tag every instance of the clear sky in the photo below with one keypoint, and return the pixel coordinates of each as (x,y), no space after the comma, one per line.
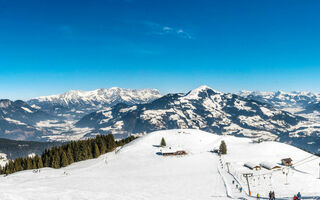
(49,47)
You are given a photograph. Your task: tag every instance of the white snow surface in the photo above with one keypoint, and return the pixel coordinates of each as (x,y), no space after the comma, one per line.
(138,171)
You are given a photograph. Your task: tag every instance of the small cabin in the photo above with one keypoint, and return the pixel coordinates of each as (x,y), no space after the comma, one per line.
(270,166)
(173,152)
(252,166)
(286,161)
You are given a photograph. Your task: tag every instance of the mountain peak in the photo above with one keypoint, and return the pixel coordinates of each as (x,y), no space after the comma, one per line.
(4,103)
(196,93)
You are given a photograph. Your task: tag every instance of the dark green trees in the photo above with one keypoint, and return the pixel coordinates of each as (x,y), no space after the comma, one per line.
(96,151)
(66,154)
(64,160)
(223,148)
(163,143)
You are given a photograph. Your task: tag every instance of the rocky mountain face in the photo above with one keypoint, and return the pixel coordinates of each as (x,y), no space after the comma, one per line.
(202,108)
(18,120)
(75,104)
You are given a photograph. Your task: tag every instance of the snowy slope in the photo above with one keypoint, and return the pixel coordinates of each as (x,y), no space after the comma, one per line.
(77,103)
(137,172)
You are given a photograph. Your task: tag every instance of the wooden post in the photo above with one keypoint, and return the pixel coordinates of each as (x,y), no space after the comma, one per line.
(287,173)
(246,176)
(227,163)
(319,170)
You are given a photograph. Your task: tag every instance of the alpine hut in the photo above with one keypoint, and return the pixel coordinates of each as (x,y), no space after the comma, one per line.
(286,161)
(172,151)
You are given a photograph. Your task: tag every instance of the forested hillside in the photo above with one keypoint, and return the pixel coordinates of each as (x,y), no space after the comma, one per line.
(66,154)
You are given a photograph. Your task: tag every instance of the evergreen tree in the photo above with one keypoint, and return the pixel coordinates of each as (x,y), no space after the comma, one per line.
(34,163)
(223,148)
(69,155)
(55,163)
(39,162)
(64,160)
(29,163)
(96,151)
(18,164)
(46,161)
(163,143)
(103,148)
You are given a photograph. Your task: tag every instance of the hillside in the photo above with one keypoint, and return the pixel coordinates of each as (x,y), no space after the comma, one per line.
(138,171)
(18,120)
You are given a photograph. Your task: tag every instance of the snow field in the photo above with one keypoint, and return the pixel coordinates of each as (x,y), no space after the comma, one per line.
(138,171)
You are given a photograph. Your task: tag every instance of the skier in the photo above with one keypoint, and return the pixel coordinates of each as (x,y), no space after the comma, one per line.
(295,197)
(258,196)
(240,189)
(270,195)
(273,196)
(299,196)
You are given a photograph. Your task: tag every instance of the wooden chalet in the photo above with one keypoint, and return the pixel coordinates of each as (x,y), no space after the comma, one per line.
(286,161)
(172,152)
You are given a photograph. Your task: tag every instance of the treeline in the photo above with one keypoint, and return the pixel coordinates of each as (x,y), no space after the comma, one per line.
(66,154)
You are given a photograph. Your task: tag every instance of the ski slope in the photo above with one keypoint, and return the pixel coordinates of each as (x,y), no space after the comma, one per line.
(138,171)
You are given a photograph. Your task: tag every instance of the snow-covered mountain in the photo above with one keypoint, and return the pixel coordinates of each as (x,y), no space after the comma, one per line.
(139,171)
(76,103)
(293,101)
(202,108)
(18,120)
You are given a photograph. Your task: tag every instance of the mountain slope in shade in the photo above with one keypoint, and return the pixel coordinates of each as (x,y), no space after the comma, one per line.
(18,120)
(202,108)
(77,103)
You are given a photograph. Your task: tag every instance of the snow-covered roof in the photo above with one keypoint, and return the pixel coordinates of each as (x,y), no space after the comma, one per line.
(269,165)
(251,165)
(170,150)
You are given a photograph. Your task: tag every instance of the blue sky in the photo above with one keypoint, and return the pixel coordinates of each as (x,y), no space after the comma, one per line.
(49,47)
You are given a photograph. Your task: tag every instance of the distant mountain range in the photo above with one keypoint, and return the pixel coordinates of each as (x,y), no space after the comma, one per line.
(303,102)
(202,108)
(75,103)
(122,112)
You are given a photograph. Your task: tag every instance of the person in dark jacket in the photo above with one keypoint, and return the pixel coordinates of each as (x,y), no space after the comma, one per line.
(270,195)
(273,196)
(299,196)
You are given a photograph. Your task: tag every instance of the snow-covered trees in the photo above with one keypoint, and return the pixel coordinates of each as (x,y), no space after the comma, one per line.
(223,147)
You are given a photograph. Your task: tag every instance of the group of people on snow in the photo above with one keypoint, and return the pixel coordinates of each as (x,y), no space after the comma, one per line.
(297,197)
(272,196)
